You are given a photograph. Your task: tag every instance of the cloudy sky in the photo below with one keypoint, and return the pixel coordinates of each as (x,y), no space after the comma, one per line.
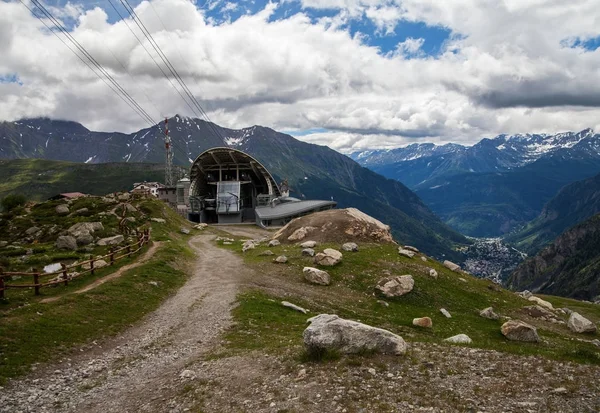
(351,74)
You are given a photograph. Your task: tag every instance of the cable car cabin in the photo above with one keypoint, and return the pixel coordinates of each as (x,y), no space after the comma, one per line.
(229,186)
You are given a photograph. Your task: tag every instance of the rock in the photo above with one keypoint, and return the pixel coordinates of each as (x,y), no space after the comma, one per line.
(153,283)
(405,253)
(300,233)
(294,307)
(413,249)
(560,390)
(517,330)
(537,311)
(445,312)
(329,332)
(274,243)
(282,259)
(567,311)
(395,286)
(423,258)
(328,258)
(187,375)
(82,211)
(97,264)
(596,342)
(32,230)
(62,209)
(489,314)
(350,246)
(433,273)
(3,244)
(541,302)
(525,294)
(249,245)
(117,239)
(125,196)
(308,252)
(423,322)
(184,231)
(264,253)
(85,228)
(159,220)
(85,239)
(459,339)
(66,242)
(201,226)
(308,244)
(580,324)
(451,266)
(316,276)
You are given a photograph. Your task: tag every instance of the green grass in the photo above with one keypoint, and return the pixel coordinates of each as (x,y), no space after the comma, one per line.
(263,323)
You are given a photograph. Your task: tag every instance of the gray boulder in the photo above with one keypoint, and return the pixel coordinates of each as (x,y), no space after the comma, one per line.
(459,339)
(525,294)
(516,330)
(489,314)
(308,244)
(274,243)
(84,239)
(328,258)
(32,230)
(62,209)
(395,286)
(282,259)
(66,242)
(316,276)
(294,307)
(445,313)
(405,252)
(85,228)
(580,324)
(159,220)
(329,332)
(350,246)
(451,266)
(249,245)
(308,252)
(413,249)
(433,273)
(117,239)
(264,253)
(537,311)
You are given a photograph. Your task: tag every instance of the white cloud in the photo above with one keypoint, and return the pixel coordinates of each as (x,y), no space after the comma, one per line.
(507,68)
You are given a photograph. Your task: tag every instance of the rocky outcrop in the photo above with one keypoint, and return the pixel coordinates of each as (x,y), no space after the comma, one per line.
(329,332)
(540,302)
(580,324)
(410,248)
(489,314)
(66,242)
(328,258)
(395,286)
(516,330)
(249,245)
(300,233)
(350,246)
(316,276)
(405,252)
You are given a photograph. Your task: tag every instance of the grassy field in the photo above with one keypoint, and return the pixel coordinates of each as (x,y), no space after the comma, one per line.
(33,332)
(263,323)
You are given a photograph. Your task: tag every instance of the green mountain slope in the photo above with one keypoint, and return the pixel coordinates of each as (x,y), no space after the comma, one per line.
(573,204)
(569,267)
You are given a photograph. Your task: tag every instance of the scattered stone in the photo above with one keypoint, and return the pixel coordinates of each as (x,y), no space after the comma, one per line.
(537,311)
(201,226)
(445,312)
(308,244)
(308,252)
(62,209)
(3,244)
(187,375)
(274,243)
(489,314)
(383,303)
(567,311)
(153,283)
(117,239)
(423,322)
(249,245)
(66,242)
(328,258)
(185,231)
(125,196)
(316,276)
(580,324)
(350,246)
(231,243)
(32,230)
(263,254)
(282,259)
(517,330)
(82,211)
(405,253)
(541,302)
(413,249)
(395,286)
(300,233)
(85,228)
(329,332)
(525,294)
(459,339)
(451,266)
(596,342)
(560,390)
(85,239)
(433,273)
(97,264)
(294,307)
(159,220)
(423,258)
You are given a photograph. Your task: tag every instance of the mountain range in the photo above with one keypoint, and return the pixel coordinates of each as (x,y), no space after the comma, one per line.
(313,171)
(495,186)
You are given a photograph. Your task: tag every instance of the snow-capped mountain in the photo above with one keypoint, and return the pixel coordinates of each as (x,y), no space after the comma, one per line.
(408,153)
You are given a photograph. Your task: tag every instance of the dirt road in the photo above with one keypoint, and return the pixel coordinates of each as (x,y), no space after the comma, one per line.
(141,370)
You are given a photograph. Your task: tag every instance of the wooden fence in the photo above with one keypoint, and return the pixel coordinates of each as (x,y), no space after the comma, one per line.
(64,273)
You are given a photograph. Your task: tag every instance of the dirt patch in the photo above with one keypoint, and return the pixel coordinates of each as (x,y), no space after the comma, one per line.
(335,225)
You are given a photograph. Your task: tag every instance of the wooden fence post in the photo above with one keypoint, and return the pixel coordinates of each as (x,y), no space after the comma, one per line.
(112,255)
(1,283)
(128,250)
(64,273)
(92,264)
(36,281)
(140,241)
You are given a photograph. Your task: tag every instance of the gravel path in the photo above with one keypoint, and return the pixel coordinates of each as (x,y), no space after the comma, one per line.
(141,370)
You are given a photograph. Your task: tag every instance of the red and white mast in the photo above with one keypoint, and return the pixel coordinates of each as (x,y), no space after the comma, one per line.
(169,160)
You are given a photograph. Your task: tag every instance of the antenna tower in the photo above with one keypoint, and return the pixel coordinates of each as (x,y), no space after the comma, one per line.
(169,160)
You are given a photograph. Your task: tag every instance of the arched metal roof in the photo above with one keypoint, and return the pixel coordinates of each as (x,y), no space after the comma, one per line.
(224,158)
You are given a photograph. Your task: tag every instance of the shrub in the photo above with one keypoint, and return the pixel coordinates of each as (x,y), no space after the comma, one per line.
(12,201)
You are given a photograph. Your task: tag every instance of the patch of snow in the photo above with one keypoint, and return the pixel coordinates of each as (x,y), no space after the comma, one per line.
(47,141)
(234,141)
(90,159)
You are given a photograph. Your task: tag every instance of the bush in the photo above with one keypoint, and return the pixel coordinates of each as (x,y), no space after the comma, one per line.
(10,202)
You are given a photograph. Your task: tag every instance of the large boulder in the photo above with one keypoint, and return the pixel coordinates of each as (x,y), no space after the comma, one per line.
(84,239)
(308,252)
(540,302)
(405,252)
(117,239)
(580,324)
(329,332)
(300,233)
(66,242)
(329,257)
(517,330)
(308,244)
(459,339)
(451,266)
(395,286)
(62,209)
(316,276)
(273,243)
(350,246)
(85,228)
